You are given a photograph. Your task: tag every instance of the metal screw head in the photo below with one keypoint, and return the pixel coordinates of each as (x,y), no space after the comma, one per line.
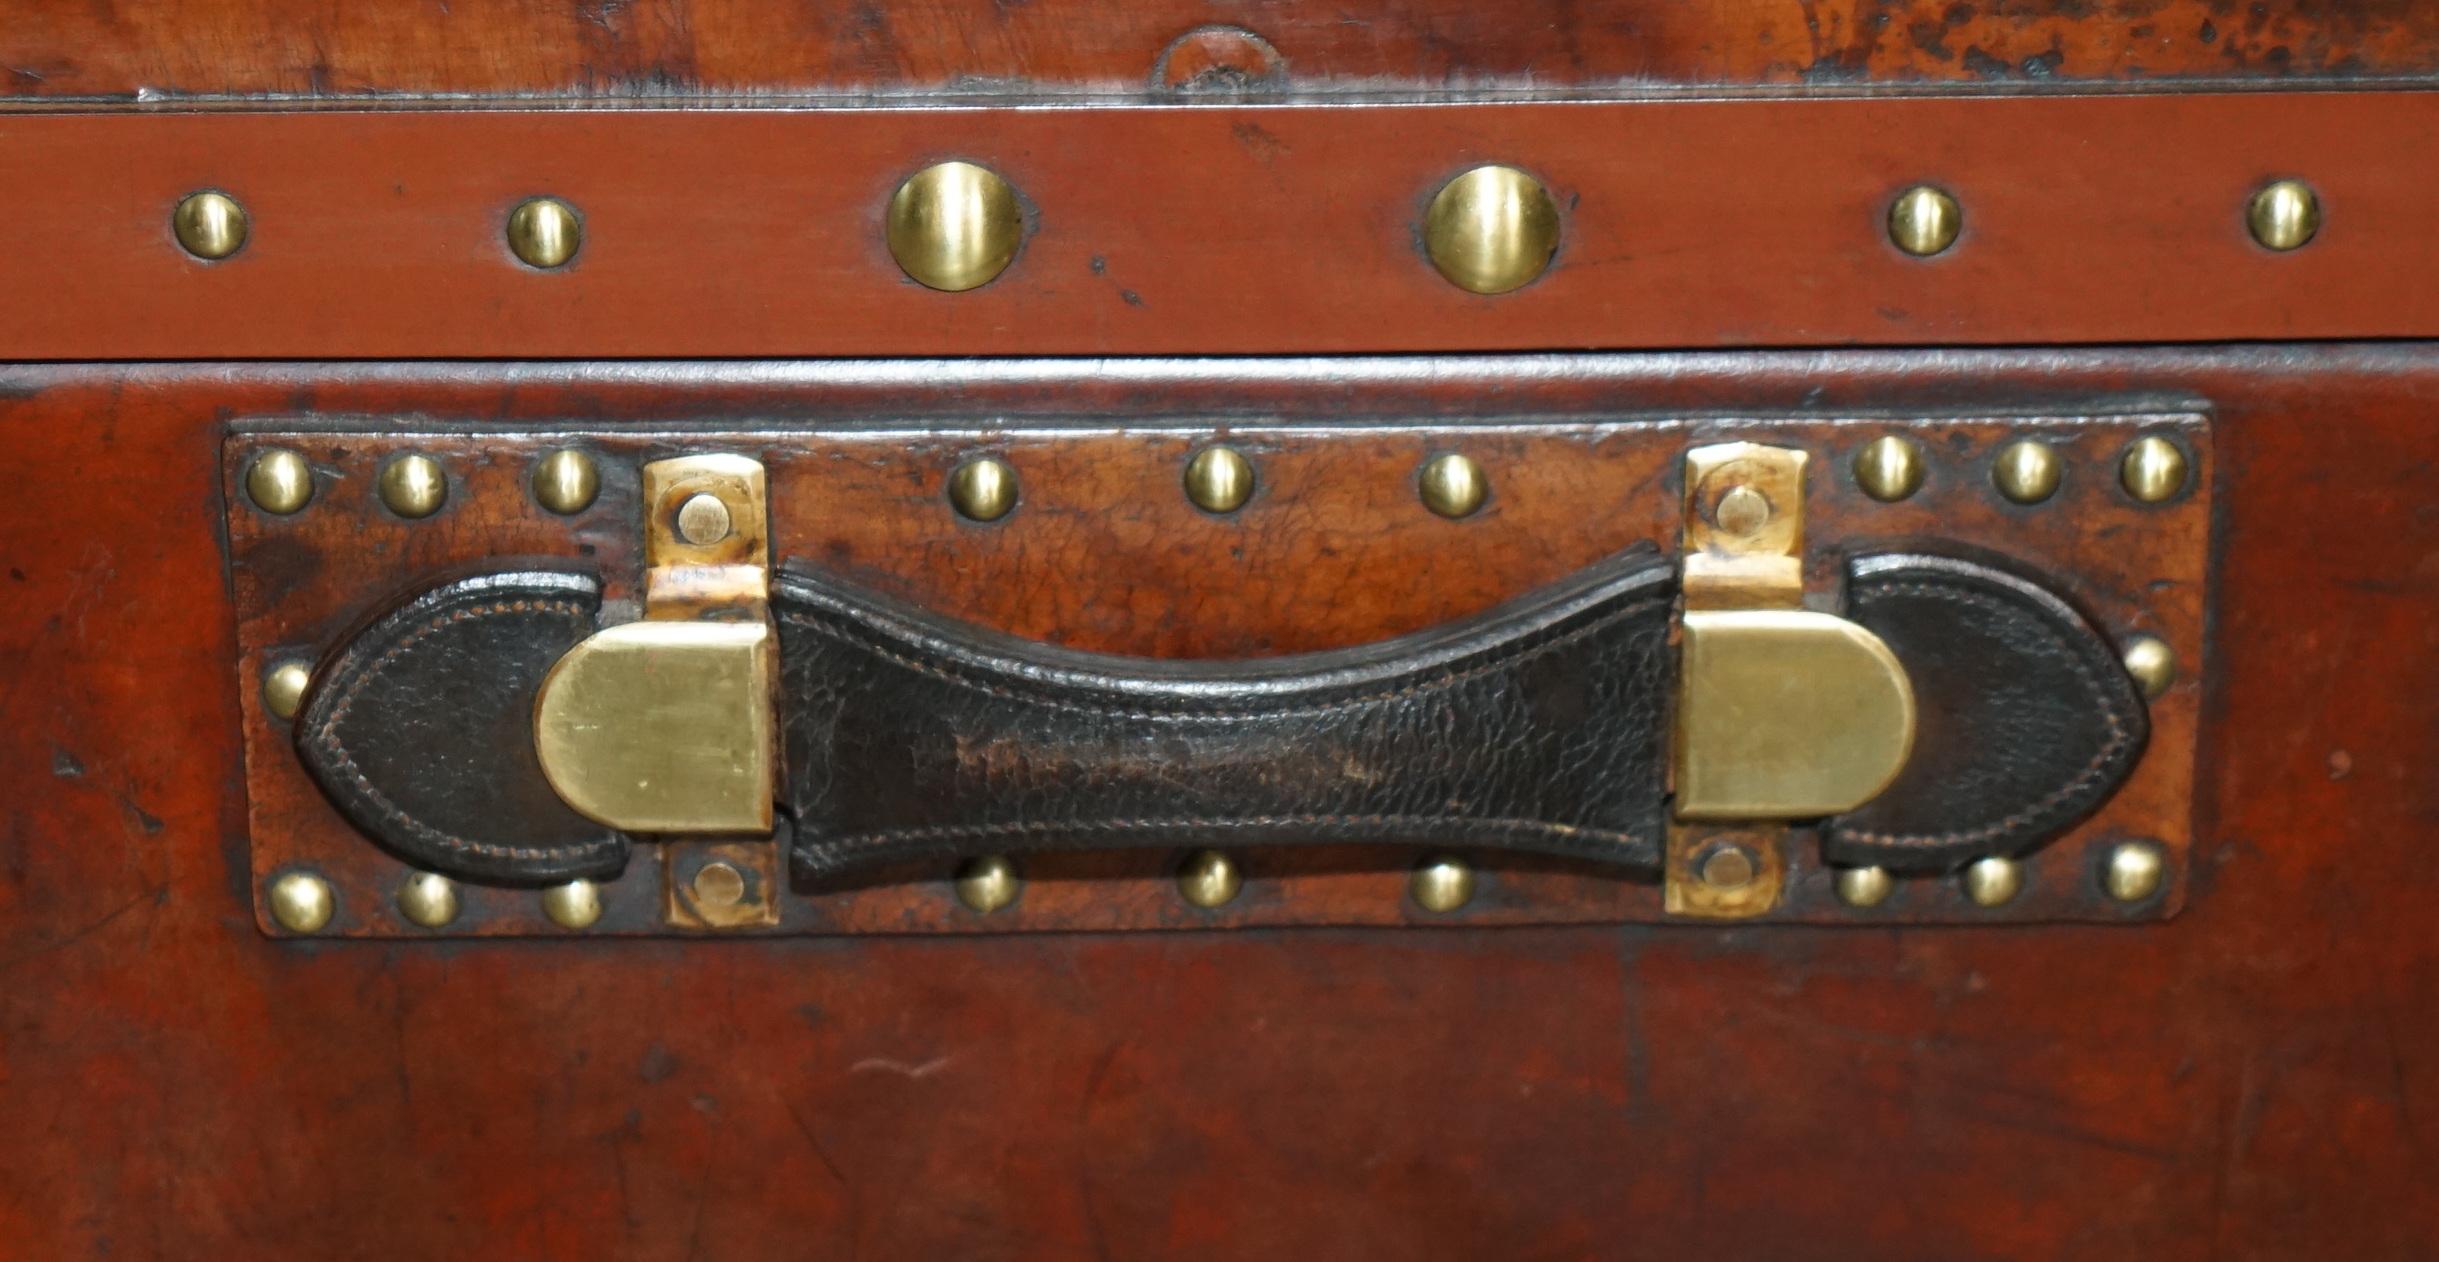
(302,902)
(1209,879)
(544,232)
(1994,881)
(954,226)
(1491,229)
(1889,468)
(1219,480)
(565,481)
(210,226)
(1924,221)
(284,689)
(2135,871)
(1453,485)
(718,885)
(2284,215)
(982,489)
(1728,867)
(2153,469)
(988,883)
(413,486)
(1864,887)
(703,519)
(2151,663)
(279,481)
(428,899)
(2028,471)
(575,905)
(1442,884)
(1741,511)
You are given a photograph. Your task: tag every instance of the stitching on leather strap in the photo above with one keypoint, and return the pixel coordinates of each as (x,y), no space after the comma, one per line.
(1587,839)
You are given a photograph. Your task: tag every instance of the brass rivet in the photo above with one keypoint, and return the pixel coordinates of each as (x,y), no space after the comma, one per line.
(428,899)
(1209,878)
(955,226)
(2027,471)
(988,883)
(1442,884)
(1865,887)
(210,226)
(1729,867)
(413,486)
(1924,221)
(983,489)
(279,481)
(1219,480)
(1889,468)
(2153,470)
(1491,229)
(1994,881)
(2135,871)
(575,905)
(284,689)
(1741,511)
(1453,485)
(544,232)
(565,481)
(2151,664)
(2284,215)
(718,885)
(703,519)
(302,902)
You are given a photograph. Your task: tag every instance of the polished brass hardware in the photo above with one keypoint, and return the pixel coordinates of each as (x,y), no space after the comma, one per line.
(1453,485)
(209,225)
(302,902)
(1993,882)
(1924,221)
(2284,215)
(1889,468)
(413,486)
(1209,879)
(2151,663)
(982,489)
(2135,871)
(1219,480)
(720,885)
(667,725)
(2027,471)
(574,905)
(279,482)
(1491,229)
(2153,469)
(1864,887)
(955,226)
(565,481)
(1442,884)
(284,689)
(428,899)
(988,882)
(544,232)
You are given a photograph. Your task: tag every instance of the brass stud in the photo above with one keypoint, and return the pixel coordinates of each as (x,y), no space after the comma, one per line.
(2028,471)
(428,899)
(2151,664)
(703,519)
(1729,867)
(1924,221)
(544,232)
(955,226)
(988,883)
(211,226)
(718,885)
(302,902)
(2135,871)
(1219,480)
(565,481)
(575,905)
(2284,216)
(1993,882)
(1209,879)
(279,481)
(1453,485)
(284,689)
(1442,884)
(1491,229)
(1889,468)
(1864,887)
(983,489)
(2153,469)
(1741,512)
(413,486)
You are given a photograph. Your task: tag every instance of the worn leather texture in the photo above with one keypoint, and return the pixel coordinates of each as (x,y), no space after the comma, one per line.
(2025,722)
(420,729)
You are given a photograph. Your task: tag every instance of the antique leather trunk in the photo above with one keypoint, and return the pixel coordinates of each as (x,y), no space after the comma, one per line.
(1612,629)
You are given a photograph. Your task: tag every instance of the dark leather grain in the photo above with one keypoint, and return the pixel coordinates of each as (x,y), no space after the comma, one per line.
(420,729)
